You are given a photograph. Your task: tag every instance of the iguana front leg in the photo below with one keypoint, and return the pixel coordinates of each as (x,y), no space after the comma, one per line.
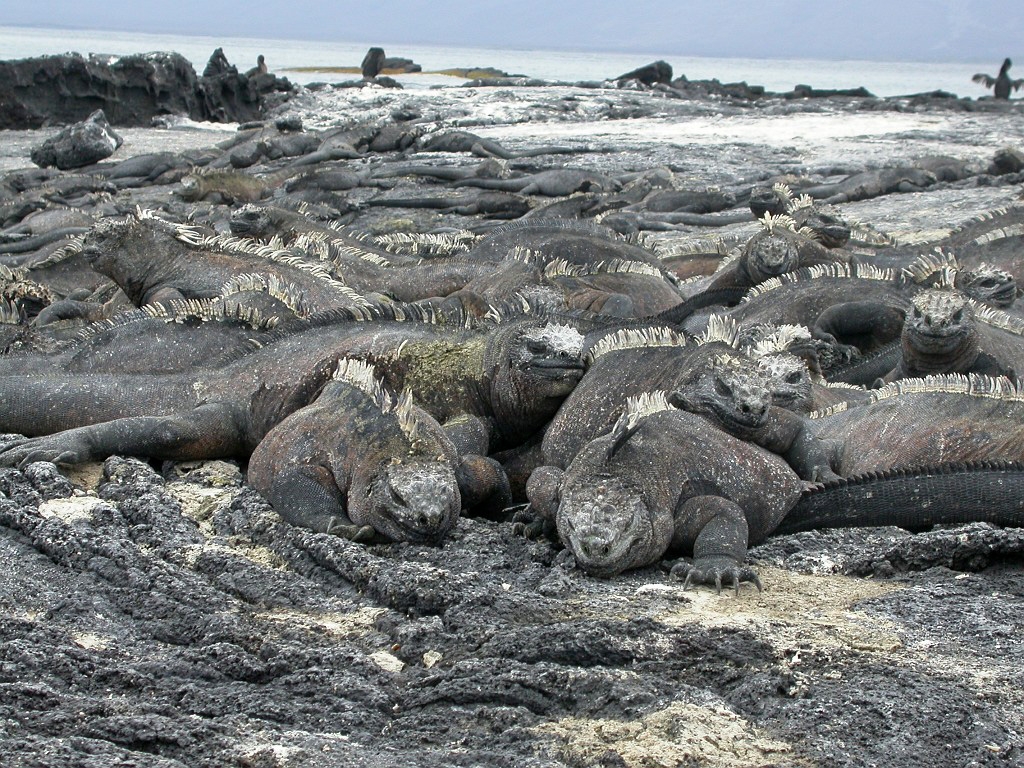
(308,496)
(484,486)
(716,528)
(209,431)
(542,489)
(788,435)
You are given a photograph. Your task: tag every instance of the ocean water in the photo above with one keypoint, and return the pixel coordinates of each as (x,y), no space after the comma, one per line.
(881,78)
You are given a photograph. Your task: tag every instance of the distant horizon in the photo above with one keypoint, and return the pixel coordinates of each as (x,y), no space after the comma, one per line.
(521,48)
(857,30)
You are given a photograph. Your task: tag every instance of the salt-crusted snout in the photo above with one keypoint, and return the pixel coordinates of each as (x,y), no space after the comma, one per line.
(607,528)
(418,502)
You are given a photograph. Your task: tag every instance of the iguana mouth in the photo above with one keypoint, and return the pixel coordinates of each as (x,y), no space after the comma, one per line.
(740,422)
(939,338)
(835,234)
(556,369)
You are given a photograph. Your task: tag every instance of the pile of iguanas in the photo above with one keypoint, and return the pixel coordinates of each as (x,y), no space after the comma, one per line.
(634,404)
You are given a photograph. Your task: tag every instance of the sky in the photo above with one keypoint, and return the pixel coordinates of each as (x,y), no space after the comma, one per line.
(890,30)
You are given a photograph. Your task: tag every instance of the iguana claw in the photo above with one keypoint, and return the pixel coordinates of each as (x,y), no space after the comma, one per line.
(527,523)
(21,453)
(356,533)
(713,570)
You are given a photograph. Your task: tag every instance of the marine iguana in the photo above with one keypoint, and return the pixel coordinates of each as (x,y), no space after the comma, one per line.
(332,179)
(685,200)
(946,332)
(164,338)
(267,223)
(230,186)
(358,462)
(554,182)
(779,247)
(154,260)
(856,308)
(491,168)
(1001,84)
(924,421)
(464,141)
(494,205)
(495,384)
(707,376)
(667,482)
(870,184)
(616,286)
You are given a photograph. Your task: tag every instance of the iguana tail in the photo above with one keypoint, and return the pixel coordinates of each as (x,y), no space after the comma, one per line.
(676,315)
(991,492)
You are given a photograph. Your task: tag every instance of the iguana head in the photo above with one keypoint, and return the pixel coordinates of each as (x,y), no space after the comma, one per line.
(790,380)
(251,221)
(606,526)
(191,188)
(533,366)
(403,468)
(732,391)
(774,200)
(989,285)
(939,321)
(416,500)
(825,221)
(771,252)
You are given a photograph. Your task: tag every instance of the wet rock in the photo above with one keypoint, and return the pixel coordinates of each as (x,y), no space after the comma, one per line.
(131,90)
(373,63)
(649,74)
(79,145)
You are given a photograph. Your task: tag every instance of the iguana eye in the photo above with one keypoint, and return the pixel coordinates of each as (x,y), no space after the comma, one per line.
(794,378)
(958,316)
(722,388)
(536,347)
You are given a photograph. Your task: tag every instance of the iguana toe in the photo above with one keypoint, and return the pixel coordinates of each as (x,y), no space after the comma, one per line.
(527,523)
(357,533)
(715,570)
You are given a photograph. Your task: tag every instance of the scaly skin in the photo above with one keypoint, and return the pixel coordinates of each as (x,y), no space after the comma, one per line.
(922,422)
(666,482)
(943,333)
(150,261)
(358,463)
(674,483)
(508,379)
(778,248)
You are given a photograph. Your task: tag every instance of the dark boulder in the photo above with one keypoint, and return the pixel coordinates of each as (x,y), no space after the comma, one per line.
(655,72)
(131,90)
(78,145)
(373,63)
(398,64)
(227,96)
(807,92)
(713,88)
(1007,160)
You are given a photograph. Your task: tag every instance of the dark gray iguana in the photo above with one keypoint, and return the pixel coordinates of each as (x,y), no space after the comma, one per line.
(359,461)
(154,260)
(946,332)
(493,386)
(666,481)
(925,421)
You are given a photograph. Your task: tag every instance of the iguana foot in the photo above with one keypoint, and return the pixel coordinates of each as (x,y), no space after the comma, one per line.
(528,523)
(356,533)
(714,570)
(53,448)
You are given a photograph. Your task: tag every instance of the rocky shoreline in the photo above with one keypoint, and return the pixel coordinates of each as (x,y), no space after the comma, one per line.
(163,614)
